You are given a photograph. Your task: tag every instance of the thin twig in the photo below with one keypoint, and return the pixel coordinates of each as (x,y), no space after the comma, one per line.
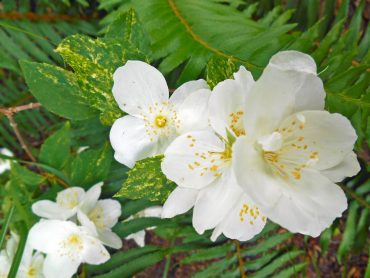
(12,110)
(240,259)
(14,125)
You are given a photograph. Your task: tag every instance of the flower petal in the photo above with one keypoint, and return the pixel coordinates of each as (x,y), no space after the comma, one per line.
(347,168)
(274,95)
(58,266)
(253,174)
(330,137)
(138,237)
(87,223)
(214,202)
(138,85)
(182,92)
(180,201)
(110,239)
(130,141)
(242,222)
(108,211)
(94,251)
(50,210)
(91,197)
(193,112)
(227,105)
(155,211)
(187,157)
(52,232)
(71,197)
(309,206)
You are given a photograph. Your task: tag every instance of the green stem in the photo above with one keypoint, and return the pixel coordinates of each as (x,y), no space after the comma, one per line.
(19,254)
(355,196)
(167,266)
(6,224)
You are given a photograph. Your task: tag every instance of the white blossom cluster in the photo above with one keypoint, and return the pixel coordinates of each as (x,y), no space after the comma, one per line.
(74,230)
(247,151)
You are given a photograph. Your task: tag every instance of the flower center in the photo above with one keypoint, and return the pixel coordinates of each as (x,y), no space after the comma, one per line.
(160,121)
(74,240)
(287,151)
(31,271)
(97,216)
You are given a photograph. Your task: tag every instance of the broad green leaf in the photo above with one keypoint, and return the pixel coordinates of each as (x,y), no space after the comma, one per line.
(91,166)
(55,150)
(147,181)
(57,90)
(220,69)
(25,176)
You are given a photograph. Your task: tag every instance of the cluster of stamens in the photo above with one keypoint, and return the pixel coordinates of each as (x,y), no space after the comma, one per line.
(285,166)
(250,212)
(70,200)
(236,124)
(97,216)
(160,120)
(72,246)
(209,161)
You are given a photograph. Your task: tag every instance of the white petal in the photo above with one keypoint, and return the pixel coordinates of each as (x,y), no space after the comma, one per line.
(94,251)
(347,168)
(5,264)
(182,92)
(51,210)
(5,163)
(275,95)
(51,232)
(137,86)
(71,197)
(242,222)
(91,197)
(244,78)
(56,266)
(155,211)
(183,162)
(180,201)
(309,206)
(130,140)
(106,213)
(138,237)
(110,239)
(12,245)
(227,99)
(193,112)
(331,136)
(253,174)
(214,202)
(86,222)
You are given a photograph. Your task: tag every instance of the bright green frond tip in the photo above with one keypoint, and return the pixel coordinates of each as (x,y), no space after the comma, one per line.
(147,181)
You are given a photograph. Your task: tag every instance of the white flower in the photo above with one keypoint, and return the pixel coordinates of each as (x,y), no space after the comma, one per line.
(66,246)
(293,151)
(139,237)
(100,216)
(200,162)
(153,119)
(4,163)
(31,263)
(67,202)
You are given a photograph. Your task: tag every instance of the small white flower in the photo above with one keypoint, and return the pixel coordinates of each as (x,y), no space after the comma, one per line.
(67,202)
(153,119)
(100,216)
(200,162)
(139,237)
(31,264)
(66,246)
(4,163)
(293,151)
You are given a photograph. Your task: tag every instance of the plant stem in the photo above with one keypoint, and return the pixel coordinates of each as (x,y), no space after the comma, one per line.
(355,196)
(167,266)
(240,259)
(6,224)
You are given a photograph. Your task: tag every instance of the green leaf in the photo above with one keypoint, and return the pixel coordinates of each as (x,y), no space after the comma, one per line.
(220,69)
(91,166)
(126,228)
(57,90)
(5,225)
(130,268)
(25,176)
(146,180)
(55,150)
